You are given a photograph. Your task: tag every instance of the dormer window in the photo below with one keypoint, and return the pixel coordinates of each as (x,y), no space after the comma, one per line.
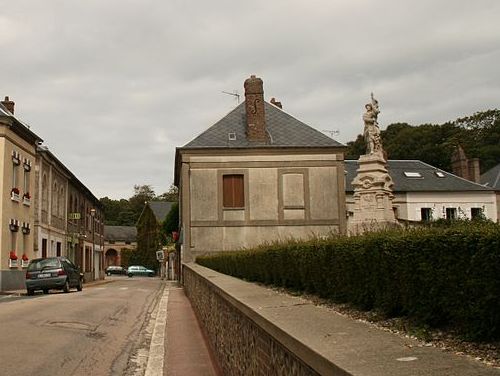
(413,175)
(231,136)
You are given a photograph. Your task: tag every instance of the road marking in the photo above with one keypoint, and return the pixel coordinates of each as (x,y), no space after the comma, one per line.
(123,288)
(157,347)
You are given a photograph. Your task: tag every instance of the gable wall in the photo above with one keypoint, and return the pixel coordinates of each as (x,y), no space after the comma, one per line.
(289,195)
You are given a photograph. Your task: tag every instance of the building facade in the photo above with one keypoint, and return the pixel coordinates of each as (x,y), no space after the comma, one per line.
(17,210)
(423,192)
(44,209)
(117,239)
(256,176)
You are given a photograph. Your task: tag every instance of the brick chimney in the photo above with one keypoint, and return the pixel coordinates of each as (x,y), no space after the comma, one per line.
(254,105)
(464,167)
(9,105)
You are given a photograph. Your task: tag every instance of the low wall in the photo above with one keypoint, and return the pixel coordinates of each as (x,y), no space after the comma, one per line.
(12,280)
(253,330)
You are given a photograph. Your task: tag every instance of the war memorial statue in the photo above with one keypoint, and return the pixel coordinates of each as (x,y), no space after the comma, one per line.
(373,196)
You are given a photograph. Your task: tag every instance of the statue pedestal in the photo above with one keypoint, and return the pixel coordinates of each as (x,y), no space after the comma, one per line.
(372,196)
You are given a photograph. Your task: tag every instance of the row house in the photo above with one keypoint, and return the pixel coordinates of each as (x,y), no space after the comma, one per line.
(44,209)
(68,217)
(17,161)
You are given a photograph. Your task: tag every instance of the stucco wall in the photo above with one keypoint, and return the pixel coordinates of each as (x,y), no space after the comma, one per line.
(23,212)
(286,196)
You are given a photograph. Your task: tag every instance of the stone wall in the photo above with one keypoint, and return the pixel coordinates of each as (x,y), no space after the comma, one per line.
(243,342)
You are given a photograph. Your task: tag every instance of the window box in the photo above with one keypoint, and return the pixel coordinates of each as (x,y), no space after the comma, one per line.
(24,261)
(13,263)
(14,225)
(27,165)
(16,158)
(14,194)
(26,228)
(27,199)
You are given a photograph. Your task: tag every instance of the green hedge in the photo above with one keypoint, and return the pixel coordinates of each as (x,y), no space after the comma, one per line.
(438,276)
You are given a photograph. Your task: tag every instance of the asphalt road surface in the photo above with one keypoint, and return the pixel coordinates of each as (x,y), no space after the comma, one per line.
(103,330)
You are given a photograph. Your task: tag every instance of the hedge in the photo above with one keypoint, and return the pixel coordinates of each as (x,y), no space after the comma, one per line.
(440,276)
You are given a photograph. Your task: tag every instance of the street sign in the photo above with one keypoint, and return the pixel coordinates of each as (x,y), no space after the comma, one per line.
(74,216)
(160,255)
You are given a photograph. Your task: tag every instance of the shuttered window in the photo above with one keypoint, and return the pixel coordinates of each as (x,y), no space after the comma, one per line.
(233,191)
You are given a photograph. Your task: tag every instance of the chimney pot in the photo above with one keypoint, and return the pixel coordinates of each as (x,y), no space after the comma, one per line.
(276,103)
(9,105)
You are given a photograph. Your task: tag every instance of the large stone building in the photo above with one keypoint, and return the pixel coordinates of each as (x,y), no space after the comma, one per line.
(255,176)
(44,209)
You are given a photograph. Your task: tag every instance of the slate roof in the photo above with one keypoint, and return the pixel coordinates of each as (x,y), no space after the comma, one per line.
(160,209)
(429,182)
(19,127)
(491,178)
(120,233)
(284,131)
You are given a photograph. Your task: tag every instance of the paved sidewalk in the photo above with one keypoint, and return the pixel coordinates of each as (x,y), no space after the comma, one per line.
(187,352)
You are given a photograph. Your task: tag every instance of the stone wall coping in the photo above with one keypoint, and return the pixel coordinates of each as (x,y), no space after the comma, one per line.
(333,344)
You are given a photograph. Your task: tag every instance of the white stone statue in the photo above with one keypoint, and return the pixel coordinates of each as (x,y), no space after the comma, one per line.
(372,131)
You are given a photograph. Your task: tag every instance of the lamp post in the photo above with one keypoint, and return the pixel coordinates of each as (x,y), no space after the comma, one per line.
(92,214)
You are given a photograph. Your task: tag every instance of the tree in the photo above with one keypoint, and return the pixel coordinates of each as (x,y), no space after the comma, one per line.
(171,196)
(170,224)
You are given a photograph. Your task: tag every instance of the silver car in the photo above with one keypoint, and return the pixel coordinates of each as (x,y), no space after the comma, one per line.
(52,273)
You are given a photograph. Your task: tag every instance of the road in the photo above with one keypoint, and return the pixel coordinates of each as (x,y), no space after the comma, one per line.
(103,330)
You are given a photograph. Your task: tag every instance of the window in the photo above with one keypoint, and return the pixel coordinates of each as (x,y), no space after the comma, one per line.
(476,213)
(233,191)
(425,214)
(414,175)
(451,213)
(440,174)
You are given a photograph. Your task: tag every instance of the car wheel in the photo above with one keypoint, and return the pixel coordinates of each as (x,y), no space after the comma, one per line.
(66,286)
(30,292)
(45,291)
(80,285)
(151,274)
(130,275)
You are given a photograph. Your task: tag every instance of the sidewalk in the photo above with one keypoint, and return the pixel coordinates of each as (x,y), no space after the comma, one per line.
(187,351)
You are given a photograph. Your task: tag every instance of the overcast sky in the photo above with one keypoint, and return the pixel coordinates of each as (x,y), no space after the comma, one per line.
(113,86)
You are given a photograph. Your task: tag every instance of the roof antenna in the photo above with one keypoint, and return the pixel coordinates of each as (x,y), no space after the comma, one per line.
(234,94)
(331,132)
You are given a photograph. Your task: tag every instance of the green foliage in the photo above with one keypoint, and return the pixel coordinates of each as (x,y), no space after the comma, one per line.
(170,224)
(479,135)
(148,240)
(126,212)
(441,275)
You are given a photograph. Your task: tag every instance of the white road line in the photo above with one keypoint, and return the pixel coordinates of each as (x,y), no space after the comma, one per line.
(123,288)
(157,347)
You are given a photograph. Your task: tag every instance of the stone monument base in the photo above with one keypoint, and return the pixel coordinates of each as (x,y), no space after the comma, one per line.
(372,196)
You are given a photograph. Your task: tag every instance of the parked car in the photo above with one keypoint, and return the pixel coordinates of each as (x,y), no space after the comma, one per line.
(116,270)
(137,270)
(52,273)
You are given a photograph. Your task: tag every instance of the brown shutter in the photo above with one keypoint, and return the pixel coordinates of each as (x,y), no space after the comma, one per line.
(233,191)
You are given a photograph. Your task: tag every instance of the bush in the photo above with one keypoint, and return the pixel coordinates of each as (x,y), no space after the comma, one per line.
(443,275)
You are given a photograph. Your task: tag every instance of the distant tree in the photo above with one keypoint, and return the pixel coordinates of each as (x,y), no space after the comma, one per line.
(479,136)
(171,196)
(148,240)
(142,194)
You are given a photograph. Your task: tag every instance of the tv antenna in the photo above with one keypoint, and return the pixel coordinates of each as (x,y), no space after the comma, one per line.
(331,132)
(234,94)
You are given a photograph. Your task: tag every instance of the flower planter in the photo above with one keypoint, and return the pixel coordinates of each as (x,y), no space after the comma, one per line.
(24,263)
(14,196)
(26,201)
(13,263)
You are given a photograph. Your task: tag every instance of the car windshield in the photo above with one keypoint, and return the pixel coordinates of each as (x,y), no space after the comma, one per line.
(41,264)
